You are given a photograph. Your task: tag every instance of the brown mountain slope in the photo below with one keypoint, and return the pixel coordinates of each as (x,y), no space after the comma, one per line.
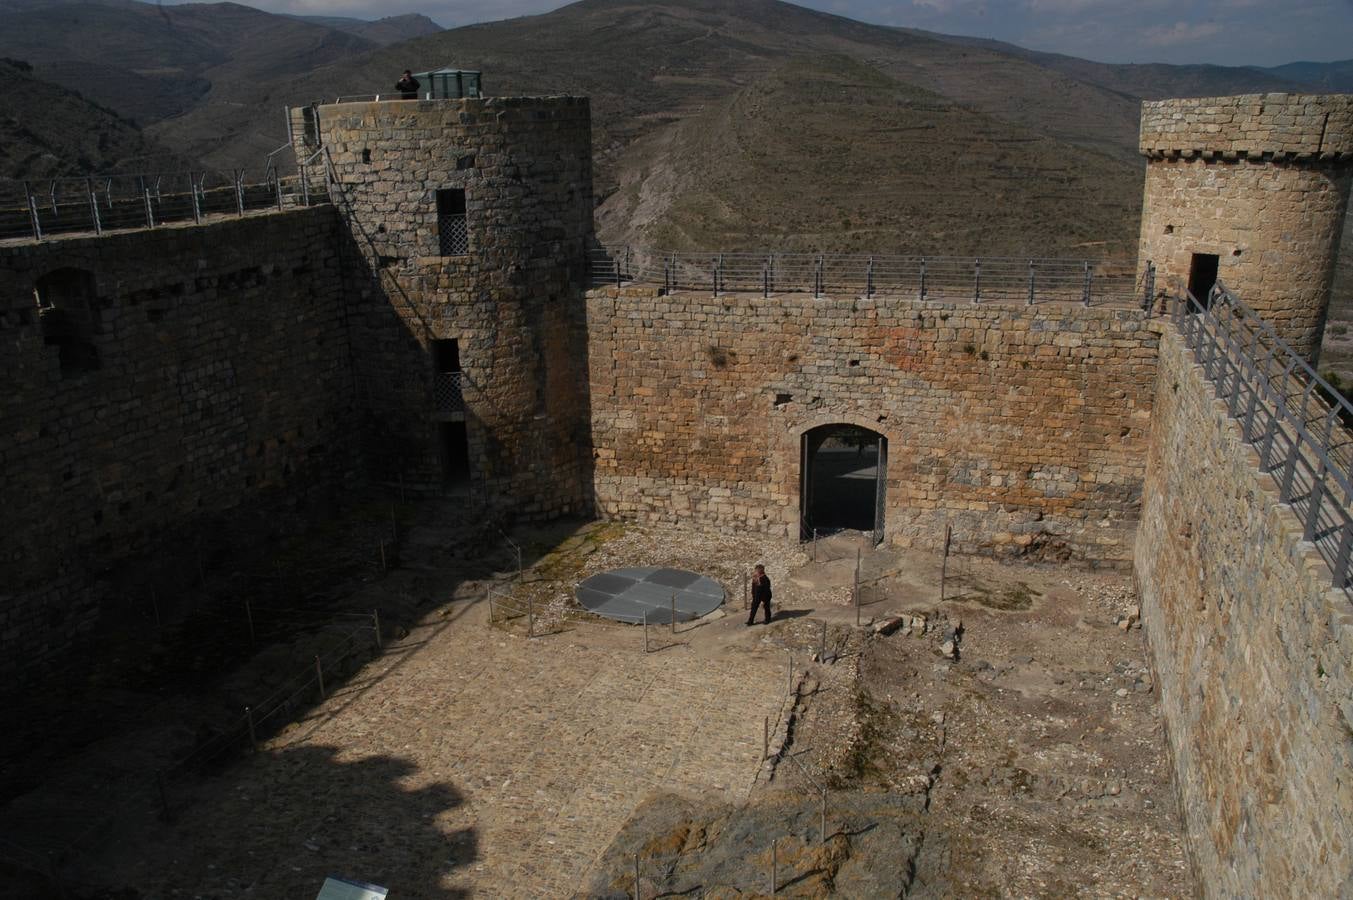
(150,61)
(650,67)
(829,154)
(47,131)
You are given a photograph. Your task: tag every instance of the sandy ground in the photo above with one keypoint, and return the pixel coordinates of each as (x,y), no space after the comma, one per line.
(472,760)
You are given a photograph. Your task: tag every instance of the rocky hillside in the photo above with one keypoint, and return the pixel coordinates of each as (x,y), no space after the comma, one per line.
(52,132)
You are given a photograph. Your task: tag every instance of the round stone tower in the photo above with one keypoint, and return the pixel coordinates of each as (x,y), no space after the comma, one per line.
(468,223)
(1252,190)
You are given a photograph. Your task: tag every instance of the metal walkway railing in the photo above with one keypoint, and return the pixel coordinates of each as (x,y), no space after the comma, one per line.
(40,209)
(1300,425)
(962,279)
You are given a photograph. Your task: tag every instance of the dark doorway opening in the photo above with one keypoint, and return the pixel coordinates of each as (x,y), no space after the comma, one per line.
(455,450)
(1202,277)
(843,480)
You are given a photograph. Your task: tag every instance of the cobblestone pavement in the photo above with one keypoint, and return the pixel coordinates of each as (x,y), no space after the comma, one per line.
(472,762)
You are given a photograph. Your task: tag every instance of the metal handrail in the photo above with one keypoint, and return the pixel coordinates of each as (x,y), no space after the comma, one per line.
(1300,425)
(37,209)
(1007,279)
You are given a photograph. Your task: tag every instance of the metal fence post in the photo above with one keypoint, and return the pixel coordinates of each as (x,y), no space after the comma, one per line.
(817,279)
(239,191)
(194,186)
(530,616)
(765,738)
(376,627)
(774,886)
(1031,282)
(857,587)
(869,279)
(319,677)
(636,877)
(922,297)
(645,632)
(824,815)
(674,614)
(93,206)
(145,198)
(1085,291)
(976,281)
(34,222)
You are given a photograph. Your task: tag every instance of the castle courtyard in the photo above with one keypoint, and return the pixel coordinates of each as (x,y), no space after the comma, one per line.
(469,759)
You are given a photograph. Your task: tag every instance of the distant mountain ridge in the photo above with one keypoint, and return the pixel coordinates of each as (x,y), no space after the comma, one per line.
(892,139)
(389,30)
(1331,77)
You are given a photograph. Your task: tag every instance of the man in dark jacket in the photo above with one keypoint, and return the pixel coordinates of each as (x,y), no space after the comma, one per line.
(760,593)
(408,86)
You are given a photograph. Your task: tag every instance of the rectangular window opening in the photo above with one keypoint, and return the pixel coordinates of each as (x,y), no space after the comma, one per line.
(452,229)
(446,355)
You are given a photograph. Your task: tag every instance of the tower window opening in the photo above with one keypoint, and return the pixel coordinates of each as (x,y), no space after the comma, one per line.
(447,381)
(452,229)
(446,355)
(455,453)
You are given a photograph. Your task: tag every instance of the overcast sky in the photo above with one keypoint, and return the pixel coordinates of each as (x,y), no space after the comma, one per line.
(1234,32)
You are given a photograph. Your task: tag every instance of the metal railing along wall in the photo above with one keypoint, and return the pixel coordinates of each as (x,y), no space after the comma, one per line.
(40,209)
(1300,425)
(946,278)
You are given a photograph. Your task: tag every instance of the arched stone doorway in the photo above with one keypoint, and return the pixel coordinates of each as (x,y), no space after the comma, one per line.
(843,477)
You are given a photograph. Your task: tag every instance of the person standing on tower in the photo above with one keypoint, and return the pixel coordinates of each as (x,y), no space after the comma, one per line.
(408,86)
(760,593)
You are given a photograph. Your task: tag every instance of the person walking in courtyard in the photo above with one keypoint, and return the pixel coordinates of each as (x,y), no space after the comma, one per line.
(408,86)
(760,593)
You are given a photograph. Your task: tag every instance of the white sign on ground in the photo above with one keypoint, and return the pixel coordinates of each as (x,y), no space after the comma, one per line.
(343,889)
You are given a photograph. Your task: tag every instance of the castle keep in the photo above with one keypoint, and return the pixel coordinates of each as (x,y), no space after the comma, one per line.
(434,326)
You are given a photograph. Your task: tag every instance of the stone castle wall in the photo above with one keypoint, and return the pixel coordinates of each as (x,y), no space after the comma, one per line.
(1260,181)
(1256,126)
(218,384)
(513,301)
(1024,427)
(1252,654)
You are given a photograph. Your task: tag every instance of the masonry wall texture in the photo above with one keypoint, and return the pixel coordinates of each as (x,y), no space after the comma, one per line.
(221,386)
(1024,427)
(1252,654)
(513,300)
(1262,182)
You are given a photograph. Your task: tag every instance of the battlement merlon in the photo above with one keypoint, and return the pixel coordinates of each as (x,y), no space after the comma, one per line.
(1313,127)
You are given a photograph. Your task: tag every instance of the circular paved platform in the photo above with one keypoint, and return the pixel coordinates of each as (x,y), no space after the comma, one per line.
(626,595)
